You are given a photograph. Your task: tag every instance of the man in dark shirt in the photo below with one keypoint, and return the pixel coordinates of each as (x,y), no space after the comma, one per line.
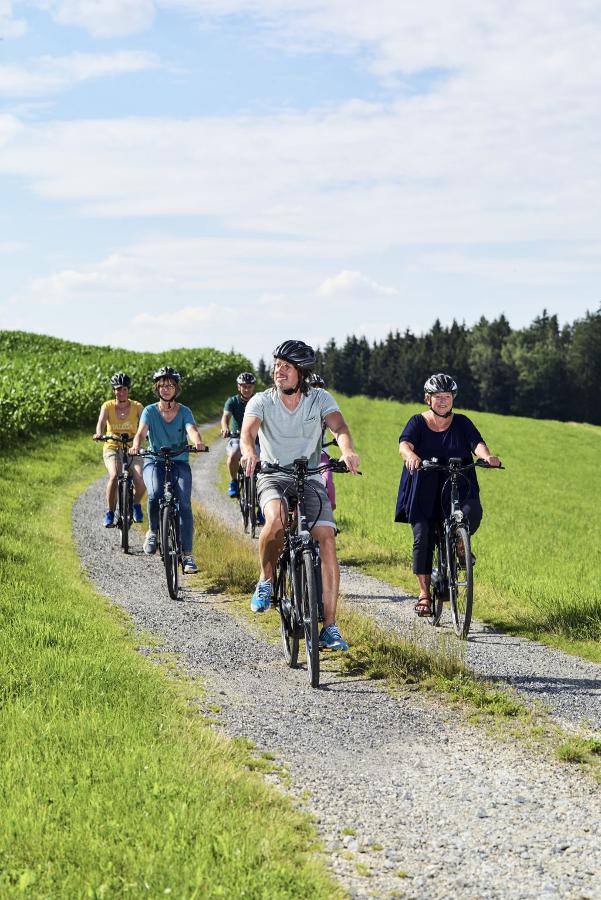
(231,425)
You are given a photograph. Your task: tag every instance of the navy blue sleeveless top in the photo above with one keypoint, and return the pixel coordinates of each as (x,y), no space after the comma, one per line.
(419,494)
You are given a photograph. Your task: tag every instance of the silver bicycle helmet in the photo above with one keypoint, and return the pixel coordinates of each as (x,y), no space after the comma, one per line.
(167,372)
(441,384)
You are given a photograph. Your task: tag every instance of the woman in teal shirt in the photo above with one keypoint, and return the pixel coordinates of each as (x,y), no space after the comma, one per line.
(169,424)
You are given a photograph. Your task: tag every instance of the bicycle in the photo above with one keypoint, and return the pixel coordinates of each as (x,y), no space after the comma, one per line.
(453,564)
(247,495)
(297,579)
(169,537)
(125,488)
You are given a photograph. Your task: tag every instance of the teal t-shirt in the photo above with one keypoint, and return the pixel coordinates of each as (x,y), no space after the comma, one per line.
(167,434)
(235,406)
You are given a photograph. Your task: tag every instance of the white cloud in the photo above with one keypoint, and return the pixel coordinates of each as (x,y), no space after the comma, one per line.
(355,285)
(9,26)
(49,74)
(102,18)
(11,246)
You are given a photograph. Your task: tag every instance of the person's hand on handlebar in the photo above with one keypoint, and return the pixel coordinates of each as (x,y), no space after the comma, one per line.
(249,464)
(225,432)
(199,445)
(412,462)
(493,461)
(351,460)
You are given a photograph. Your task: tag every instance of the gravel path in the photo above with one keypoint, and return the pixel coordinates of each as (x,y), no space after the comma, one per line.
(437,808)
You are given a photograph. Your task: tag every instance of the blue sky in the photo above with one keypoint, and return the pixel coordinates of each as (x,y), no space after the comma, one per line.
(235,172)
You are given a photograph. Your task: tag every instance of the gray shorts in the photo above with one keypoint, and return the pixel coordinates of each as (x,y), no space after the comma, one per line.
(279,487)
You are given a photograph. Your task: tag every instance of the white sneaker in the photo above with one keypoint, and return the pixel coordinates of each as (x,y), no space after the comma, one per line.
(150,543)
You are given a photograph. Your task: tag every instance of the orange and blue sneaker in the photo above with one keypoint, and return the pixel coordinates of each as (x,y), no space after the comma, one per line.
(261,599)
(331,639)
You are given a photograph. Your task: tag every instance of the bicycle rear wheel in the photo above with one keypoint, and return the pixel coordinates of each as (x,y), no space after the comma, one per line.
(125,512)
(170,548)
(310,617)
(284,593)
(461,580)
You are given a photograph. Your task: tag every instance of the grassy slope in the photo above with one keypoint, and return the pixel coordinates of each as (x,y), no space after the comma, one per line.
(539,547)
(111,782)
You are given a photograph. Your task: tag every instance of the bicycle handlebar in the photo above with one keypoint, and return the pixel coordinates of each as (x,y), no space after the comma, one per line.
(120,438)
(165,452)
(451,466)
(334,465)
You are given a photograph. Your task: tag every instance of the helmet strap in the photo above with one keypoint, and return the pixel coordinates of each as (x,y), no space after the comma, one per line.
(290,391)
(442,415)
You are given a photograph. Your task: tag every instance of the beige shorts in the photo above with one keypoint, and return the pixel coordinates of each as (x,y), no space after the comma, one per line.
(109,454)
(280,487)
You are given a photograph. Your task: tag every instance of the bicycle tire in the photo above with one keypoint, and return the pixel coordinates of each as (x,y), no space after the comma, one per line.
(286,607)
(252,506)
(310,617)
(436,594)
(170,549)
(242,498)
(124,514)
(461,581)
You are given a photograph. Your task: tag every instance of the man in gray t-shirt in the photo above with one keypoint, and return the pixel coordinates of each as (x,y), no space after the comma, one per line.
(288,419)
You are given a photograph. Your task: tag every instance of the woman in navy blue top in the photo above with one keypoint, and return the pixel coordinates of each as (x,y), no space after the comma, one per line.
(441,434)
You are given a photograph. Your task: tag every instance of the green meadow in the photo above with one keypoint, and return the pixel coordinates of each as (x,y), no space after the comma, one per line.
(539,546)
(112,782)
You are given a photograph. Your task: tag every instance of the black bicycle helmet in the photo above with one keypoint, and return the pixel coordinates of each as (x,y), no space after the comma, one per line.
(316,381)
(441,384)
(296,352)
(120,379)
(246,378)
(167,372)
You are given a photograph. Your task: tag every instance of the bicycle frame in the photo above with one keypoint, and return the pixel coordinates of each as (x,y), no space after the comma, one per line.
(454,578)
(169,523)
(300,561)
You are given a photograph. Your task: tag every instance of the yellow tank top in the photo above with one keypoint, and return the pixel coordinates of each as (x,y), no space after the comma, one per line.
(116,425)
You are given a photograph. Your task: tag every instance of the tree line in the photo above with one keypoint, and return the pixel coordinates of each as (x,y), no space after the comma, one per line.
(541,371)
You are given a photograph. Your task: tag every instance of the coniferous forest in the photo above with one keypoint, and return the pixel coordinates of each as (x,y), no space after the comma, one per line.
(541,371)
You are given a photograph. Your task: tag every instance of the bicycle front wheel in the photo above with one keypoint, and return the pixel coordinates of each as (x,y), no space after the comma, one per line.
(311,617)
(170,547)
(284,593)
(438,585)
(242,498)
(125,512)
(461,580)
(252,505)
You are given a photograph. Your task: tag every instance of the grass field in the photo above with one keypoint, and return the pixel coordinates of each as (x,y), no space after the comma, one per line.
(539,546)
(112,783)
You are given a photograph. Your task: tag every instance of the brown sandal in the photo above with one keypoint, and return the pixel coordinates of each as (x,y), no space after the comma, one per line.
(423,606)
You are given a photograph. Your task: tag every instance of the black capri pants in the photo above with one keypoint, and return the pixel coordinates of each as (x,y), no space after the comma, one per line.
(424,535)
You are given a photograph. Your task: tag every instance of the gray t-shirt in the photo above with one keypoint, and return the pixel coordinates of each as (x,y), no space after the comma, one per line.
(285,436)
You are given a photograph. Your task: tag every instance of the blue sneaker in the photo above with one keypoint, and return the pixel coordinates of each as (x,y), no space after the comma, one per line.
(138,514)
(232,491)
(261,599)
(331,639)
(109,518)
(260,518)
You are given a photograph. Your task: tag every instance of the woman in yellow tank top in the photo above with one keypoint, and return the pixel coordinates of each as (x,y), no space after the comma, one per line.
(120,416)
